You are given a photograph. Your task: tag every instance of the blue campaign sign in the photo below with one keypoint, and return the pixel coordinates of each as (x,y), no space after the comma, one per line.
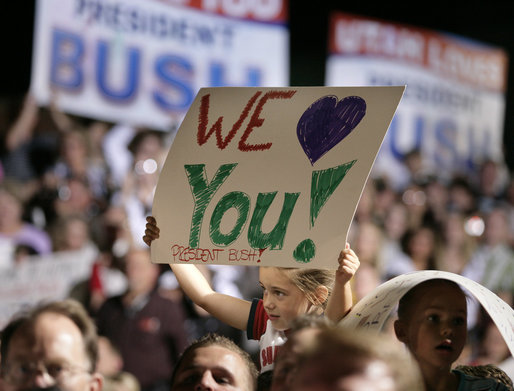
(454,103)
(141,62)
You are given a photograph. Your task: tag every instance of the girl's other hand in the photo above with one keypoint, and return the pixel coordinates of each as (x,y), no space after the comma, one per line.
(151,231)
(348,265)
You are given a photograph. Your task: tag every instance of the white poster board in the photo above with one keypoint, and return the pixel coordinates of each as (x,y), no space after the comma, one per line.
(141,62)
(374,309)
(269,176)
(42,277)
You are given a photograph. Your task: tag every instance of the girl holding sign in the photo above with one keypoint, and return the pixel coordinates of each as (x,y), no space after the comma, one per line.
(287,293)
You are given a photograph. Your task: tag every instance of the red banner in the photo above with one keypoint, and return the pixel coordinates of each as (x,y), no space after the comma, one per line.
(446,55)
(274,11)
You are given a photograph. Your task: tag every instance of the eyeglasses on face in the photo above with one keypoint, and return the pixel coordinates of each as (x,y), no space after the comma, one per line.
(21,372)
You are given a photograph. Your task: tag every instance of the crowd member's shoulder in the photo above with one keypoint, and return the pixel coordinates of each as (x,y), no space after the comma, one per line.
(483,377)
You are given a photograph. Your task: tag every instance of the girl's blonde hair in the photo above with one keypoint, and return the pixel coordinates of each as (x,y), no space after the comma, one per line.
(308,280)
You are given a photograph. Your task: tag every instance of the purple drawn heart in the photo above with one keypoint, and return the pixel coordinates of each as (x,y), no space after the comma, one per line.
(328,121)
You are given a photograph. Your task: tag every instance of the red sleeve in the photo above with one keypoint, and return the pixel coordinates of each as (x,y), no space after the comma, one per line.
(95,282)
(257,320)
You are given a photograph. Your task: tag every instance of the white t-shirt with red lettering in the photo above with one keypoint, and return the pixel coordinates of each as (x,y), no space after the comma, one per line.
(260,328)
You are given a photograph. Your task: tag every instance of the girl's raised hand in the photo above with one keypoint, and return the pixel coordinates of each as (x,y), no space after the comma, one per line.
(340,302)
(152,231)
(348,265)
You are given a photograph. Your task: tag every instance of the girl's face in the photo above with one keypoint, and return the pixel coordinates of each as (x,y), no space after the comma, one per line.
(77,234)
(436,330)
(282,299)
(10,210)
(422,244)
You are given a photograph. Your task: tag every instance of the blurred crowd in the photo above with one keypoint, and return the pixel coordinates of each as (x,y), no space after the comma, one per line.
(69,183)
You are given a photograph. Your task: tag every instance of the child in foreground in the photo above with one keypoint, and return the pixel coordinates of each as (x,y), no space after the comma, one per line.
(287,293)
(432,323)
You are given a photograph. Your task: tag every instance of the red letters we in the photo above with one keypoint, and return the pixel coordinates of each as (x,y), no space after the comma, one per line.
(255,121)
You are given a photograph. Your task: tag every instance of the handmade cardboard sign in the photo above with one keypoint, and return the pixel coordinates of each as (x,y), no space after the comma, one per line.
(375,308)
(269,176)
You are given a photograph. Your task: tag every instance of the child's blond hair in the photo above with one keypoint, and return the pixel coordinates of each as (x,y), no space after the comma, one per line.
(308,281)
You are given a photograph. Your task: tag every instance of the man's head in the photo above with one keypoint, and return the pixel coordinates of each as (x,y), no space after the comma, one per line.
(52,345)
(354,360)
(300,336)
(214,362)
(141,273)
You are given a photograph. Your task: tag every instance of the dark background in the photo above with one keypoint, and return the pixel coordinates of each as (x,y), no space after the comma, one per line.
(488,21)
